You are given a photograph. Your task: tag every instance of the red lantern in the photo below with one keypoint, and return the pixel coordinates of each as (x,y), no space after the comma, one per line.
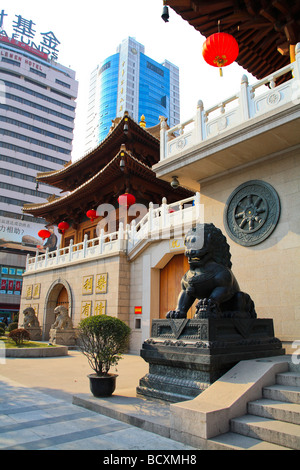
(63,226)
(91,214)
(44,234)
(220,50)
(126,200)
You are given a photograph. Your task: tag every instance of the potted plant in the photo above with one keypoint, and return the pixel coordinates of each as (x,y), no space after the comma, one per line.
(103,340)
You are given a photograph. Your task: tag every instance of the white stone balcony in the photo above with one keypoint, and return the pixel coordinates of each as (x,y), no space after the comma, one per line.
(258,120)
(163,222)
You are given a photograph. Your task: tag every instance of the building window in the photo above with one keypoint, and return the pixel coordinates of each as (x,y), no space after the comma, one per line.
(155,69)
(10,61)
(37,72)
(59,82)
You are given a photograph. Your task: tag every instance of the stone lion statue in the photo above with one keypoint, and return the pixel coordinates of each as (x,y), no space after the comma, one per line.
(210,279)
(62,319)
(30,318)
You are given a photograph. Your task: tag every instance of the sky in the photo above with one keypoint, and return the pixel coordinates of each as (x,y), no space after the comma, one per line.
(91,31)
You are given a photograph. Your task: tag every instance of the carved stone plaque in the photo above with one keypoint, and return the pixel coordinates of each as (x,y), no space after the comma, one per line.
(252,213)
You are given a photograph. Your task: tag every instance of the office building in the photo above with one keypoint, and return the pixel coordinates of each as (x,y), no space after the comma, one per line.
(37,112)
(131,81)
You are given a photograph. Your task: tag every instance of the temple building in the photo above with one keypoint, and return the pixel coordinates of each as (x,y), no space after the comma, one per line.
(98,266)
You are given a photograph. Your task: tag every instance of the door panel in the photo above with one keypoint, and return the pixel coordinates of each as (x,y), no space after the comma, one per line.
(170,285)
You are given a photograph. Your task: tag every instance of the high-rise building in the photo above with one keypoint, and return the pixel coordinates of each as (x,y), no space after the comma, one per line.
(37,112)
(131,81)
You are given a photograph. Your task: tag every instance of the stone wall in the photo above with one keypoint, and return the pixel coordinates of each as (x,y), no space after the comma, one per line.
(270,270)
(94,287)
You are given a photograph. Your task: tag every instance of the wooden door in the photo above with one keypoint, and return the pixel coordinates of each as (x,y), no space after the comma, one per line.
(62,298)
(170,285)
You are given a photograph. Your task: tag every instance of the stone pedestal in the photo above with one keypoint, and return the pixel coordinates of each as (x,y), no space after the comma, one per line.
(35,333)
(186,356)
(65,337)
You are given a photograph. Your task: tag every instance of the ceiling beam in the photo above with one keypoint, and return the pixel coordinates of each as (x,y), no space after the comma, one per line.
(282,6)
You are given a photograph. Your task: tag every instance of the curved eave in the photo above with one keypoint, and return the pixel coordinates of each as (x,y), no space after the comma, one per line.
(103,179)
(114,139)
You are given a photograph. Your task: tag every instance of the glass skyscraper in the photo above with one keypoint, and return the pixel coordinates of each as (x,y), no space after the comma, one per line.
(131,81)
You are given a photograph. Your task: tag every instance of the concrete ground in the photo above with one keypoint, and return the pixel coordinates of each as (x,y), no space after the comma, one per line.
(38,410)
(65,376)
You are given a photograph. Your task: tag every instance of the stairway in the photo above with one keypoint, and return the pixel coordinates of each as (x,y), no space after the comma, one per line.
(272,422)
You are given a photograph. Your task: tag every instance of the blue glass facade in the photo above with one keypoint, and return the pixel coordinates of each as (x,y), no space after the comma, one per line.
(108,91)
(154,90)
(131,81)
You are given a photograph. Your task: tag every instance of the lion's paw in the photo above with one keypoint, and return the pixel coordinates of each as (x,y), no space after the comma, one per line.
(175,314)
(206,308)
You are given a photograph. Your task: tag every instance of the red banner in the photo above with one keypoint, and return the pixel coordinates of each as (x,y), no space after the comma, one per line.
(10,285)
(24,46)
(3,284)
(18,285)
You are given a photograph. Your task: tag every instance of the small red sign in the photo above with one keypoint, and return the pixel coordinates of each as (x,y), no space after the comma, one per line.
(138,310)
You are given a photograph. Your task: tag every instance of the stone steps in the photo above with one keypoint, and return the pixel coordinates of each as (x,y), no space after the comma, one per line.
(234,441)
(282,393)
(272,409)
(272,422)
(289,378)
(269,430)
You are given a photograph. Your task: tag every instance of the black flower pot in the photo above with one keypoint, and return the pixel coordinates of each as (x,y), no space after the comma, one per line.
(102,386)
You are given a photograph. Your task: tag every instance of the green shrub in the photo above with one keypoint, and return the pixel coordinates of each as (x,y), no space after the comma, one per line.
(12,326)
(2,325)
(19,335)
(2,331)
(103,339)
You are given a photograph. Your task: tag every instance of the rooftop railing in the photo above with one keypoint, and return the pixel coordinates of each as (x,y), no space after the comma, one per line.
(249,102)
(163,222)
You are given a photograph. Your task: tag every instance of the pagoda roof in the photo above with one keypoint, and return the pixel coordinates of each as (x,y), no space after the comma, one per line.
(105,186)
(142,142)
(262,28)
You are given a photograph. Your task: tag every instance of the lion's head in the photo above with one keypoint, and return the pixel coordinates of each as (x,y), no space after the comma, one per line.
(30,318)
(29,312)
(206,242)
(60,309)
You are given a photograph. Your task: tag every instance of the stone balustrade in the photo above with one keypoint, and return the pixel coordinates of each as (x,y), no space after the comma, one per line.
(249,102)
(163,222)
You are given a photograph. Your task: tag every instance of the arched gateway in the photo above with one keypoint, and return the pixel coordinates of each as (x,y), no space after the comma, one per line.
(59,293)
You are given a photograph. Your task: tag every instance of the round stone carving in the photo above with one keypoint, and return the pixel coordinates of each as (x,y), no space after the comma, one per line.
(252,213)
(274,98)
(180,144)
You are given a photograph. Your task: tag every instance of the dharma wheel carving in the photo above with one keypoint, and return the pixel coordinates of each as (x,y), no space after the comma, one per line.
(252,213)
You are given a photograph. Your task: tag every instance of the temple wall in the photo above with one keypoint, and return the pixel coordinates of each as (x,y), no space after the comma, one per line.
(94,287)
(269,271)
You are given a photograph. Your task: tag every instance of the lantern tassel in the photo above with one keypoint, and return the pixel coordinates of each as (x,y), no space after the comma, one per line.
(221,71)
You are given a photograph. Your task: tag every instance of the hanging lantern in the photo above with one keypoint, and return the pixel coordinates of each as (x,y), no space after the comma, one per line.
(44,234)
(92,214)
(63,226)
(126,200)
(220,50)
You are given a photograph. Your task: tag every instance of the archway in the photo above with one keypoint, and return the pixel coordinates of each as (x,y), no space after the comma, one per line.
(59,293)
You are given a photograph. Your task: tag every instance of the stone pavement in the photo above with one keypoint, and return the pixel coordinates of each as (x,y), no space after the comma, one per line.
(37,410)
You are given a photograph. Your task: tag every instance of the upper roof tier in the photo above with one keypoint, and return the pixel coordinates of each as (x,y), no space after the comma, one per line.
(142,142)
(105,186)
